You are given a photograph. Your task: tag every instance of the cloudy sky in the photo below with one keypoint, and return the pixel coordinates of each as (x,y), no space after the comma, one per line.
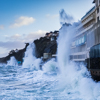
(25,20)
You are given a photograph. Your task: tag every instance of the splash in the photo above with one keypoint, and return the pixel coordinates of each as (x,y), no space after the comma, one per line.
(65,18)
(50,67)
(12,62)
(74,80)
(30,60)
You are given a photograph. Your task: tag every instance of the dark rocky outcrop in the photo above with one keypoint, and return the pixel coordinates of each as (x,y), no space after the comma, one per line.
(18,55)
(45,45)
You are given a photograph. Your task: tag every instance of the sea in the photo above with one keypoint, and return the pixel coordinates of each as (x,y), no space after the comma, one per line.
(59,79)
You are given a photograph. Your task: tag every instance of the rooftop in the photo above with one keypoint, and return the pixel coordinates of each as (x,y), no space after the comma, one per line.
(88,12)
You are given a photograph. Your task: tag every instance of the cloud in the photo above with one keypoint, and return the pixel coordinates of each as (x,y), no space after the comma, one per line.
(1,27)
(35,35)
(14,37)
(21,21)
(30,37)
(12,45)
(3,52)
(18,41)
(52,16)
(5,47)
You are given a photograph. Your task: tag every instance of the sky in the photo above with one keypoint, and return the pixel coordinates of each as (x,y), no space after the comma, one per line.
(24,21)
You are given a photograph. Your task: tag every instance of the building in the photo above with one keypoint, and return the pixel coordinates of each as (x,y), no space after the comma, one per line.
(97,6)
(87,34)
(48,34)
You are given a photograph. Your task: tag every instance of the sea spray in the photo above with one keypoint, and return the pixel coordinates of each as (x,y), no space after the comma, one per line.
(66,34)
(12,62)
(65,18)
(50,67)
(30,60)
(74,80)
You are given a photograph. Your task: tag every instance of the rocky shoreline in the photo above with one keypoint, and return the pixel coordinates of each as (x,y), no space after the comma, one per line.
(46,44)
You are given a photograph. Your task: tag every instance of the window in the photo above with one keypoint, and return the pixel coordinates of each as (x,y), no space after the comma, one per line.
(91,52)
(98,10)
(96,3)
(99,50)
(98,19)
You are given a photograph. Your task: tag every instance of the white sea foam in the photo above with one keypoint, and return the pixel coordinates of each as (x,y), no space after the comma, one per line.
(12,62)
(74,80)
(50,66)
(30,59)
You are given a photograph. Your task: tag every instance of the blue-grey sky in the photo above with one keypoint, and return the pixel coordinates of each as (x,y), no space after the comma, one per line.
(25,20)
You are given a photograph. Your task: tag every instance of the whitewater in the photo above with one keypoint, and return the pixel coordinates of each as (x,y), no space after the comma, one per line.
(59,79)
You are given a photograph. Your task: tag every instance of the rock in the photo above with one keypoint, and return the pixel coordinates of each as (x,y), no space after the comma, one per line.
(44,45)
(18,55)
